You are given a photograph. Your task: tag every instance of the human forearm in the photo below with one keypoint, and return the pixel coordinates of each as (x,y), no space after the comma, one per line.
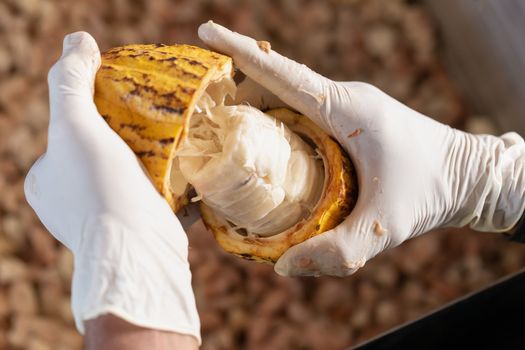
(111,332)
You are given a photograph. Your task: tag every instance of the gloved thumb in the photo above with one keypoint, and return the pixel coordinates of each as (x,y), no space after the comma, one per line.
(71,79)
(338,252)
(294,83)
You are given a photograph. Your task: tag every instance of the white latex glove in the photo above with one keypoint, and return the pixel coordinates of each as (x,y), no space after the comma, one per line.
(414,173)
(93,195)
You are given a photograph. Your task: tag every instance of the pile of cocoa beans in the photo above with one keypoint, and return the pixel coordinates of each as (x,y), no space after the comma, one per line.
(243,305)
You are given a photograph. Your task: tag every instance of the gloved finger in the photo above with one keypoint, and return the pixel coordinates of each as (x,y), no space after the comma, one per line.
(71,79)
(317,256)
(338,252)
(294,83)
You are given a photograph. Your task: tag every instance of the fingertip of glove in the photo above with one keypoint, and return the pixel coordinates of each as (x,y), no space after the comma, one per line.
(293,263)
(84,46)
(281,268)
(217,36)
(80,59)
(81,42)
(321,255)
(206,31)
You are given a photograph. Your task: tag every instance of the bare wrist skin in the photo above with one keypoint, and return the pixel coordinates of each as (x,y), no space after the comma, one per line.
(108,332)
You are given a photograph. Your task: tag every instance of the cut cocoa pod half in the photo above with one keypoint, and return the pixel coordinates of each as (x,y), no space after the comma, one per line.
(147,93)
(335,203)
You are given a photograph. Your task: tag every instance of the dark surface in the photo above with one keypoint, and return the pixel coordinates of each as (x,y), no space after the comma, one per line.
(489,319)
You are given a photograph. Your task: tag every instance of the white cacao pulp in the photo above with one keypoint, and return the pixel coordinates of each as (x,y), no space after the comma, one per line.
(247,166)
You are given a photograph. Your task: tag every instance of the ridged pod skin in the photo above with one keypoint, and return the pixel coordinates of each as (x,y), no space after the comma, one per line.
(336,202)
(147,93)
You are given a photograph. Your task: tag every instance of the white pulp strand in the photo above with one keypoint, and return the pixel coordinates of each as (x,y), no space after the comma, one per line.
(248,166)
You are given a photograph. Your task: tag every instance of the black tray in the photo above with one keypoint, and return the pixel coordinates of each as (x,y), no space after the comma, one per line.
(493,318)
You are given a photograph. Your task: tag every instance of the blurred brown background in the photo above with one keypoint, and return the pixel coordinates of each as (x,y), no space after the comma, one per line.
(394,44)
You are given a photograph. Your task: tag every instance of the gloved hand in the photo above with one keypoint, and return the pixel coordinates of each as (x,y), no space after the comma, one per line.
(92,194)
(414,173)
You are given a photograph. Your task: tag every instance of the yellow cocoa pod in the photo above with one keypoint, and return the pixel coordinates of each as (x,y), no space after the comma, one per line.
(147,93)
